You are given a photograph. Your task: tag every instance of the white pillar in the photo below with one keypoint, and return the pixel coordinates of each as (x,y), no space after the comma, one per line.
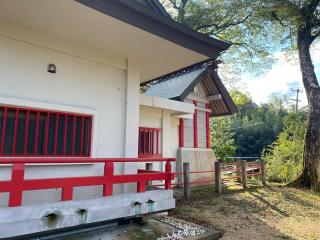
(166,135)
(131,119)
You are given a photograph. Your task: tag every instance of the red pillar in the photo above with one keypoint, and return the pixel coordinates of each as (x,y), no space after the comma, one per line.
(181,133)
(208,127)
(169,176)
(195,126)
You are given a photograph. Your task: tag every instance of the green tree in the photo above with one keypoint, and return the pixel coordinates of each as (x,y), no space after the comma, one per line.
(235,21)
(284,156)
(222,141)
(300,21)
(255,127)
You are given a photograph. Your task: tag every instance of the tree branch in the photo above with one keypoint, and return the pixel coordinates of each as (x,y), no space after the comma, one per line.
(315,36)
(174,4)
(225,25)
(312,6)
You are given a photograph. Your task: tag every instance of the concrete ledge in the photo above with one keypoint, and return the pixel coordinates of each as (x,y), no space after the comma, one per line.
(38,218)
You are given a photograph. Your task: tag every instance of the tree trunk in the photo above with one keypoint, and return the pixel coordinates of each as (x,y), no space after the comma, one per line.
(310,176)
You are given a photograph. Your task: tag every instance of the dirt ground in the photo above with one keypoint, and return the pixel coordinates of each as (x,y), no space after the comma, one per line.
(273,212)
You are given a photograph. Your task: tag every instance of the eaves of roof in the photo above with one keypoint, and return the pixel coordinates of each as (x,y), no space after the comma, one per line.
(138,15)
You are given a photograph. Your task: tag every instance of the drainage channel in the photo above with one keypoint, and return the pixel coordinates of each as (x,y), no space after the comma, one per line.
(152,228)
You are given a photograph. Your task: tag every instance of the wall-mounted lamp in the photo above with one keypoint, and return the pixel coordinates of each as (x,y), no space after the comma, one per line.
(52,68)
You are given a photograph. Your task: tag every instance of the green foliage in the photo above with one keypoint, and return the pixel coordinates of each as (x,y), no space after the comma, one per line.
(237,22)
(222,141)
(284,156)
(255,127)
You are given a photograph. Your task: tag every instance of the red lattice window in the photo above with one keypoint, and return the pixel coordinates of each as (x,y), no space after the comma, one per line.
(149,142)
(32,132)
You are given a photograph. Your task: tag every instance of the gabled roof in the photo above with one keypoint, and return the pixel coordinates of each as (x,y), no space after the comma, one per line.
(150,16)
(178,85)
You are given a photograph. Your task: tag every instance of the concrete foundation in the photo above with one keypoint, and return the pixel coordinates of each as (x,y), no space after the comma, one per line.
(38,218)
(199,159)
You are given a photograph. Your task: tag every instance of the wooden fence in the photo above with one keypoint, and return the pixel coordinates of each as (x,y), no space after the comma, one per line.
(236,173)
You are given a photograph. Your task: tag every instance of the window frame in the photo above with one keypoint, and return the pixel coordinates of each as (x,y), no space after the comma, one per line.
(48,113)
(152,150)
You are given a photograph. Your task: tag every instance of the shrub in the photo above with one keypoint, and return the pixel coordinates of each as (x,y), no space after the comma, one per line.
(284,156)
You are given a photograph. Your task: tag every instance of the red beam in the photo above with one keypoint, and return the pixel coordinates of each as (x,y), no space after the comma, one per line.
(208,127)
(181,133)
(195,126)
(12,160)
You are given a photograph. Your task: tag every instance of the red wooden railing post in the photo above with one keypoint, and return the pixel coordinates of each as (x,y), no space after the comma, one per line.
(17,176)
(108,172)
(141,186)
(67,193)
(169,175)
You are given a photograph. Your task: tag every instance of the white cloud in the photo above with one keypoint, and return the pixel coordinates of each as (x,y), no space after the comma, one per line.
(283,76)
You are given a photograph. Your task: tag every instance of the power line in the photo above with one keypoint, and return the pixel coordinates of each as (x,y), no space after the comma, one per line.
(297,91)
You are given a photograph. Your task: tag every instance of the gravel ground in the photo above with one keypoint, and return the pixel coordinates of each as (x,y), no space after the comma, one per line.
(258,213)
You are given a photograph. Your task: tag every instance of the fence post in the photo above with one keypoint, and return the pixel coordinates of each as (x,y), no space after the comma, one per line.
(186,180)
(238,171)
(149,167)
(263,173)
(108,172)
(167,183)
(217,175)
(244,167)
(17,177)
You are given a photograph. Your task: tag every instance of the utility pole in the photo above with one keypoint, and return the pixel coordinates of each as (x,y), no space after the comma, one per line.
(297,91)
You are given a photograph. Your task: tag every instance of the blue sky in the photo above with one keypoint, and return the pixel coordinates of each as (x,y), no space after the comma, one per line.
(279,80)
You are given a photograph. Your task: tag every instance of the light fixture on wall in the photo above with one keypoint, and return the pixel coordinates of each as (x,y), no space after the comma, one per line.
(52,68)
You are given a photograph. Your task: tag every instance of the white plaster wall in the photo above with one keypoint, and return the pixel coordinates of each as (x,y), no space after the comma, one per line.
(150,117)
(188,133)
(174,143)
(110,93)
(202,132)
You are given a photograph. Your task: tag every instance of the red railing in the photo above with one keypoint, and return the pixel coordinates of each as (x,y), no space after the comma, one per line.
(18,183)
(149,142)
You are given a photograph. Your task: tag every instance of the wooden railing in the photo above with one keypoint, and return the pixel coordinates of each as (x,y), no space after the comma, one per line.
(18,183)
